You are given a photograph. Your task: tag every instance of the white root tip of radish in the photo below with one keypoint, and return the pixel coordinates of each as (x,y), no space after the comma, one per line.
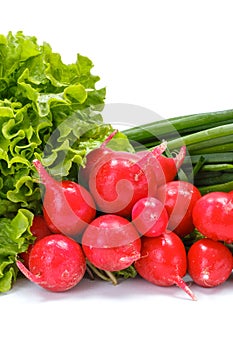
(180,157)
(181,284)
(109,138)
(27,273)
(36,163)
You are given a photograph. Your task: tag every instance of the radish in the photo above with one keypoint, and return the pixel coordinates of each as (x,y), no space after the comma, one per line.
(67,206)
(111,243)
(91,159)
(150,217)
(39,229)
(213,216)
(166,168)
(56,263)
(164,261)
(120,179)
(210,262)
(179,198)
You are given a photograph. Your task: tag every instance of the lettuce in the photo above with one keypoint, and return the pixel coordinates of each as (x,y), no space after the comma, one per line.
(48,110)
(15,236)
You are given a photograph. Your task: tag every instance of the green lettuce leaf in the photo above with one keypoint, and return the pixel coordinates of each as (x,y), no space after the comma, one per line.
(15,236)
(49,110)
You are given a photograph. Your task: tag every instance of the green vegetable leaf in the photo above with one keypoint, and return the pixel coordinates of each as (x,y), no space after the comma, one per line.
(129,272)
(15,237)
(49,110)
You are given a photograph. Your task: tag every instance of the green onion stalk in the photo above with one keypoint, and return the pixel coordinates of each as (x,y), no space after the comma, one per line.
(209,141)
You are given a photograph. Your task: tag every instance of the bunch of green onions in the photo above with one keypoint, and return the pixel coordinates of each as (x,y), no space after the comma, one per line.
(209,141)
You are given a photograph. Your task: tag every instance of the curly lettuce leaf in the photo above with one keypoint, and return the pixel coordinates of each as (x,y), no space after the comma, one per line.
(49,110)
(15,237)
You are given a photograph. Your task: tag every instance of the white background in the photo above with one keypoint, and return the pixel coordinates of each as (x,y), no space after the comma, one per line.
(174,58)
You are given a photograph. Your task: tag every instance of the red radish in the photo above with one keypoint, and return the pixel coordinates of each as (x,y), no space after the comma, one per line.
(213,216)
(56,263)
(67,206)
(166,168)
(120,179)
(39,229)
(210,262)
(91,159)
(179,198)
(163,261)
(149,217)
(111,243)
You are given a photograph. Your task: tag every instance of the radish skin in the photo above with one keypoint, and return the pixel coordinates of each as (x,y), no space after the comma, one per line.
(120,179)
(67,206)
(92,158)
(163,261)
(56,263)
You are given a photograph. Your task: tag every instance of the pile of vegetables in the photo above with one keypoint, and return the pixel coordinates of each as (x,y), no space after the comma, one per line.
(128,217)
(78,198)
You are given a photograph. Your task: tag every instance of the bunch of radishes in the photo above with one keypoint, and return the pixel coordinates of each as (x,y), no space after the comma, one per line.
(127,209)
